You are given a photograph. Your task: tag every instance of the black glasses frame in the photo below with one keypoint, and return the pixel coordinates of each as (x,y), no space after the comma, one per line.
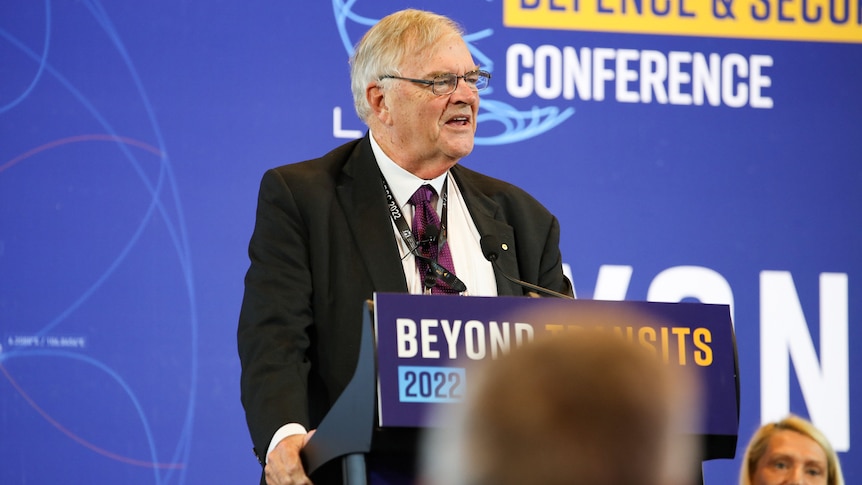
(443,80)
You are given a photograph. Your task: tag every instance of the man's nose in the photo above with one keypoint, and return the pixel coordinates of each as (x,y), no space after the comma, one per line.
(464,93)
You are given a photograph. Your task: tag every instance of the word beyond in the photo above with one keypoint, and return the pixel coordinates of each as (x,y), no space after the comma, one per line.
(478,337)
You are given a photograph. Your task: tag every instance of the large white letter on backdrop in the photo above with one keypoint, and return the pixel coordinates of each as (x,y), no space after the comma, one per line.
(681,282)
(784,335)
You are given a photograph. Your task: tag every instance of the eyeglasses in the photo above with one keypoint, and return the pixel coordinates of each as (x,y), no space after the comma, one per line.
(447,83)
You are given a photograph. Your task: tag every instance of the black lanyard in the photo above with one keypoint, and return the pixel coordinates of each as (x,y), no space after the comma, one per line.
(413,244)
(404,229)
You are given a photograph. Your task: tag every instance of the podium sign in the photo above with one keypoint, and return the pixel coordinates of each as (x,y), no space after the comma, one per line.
(426,345)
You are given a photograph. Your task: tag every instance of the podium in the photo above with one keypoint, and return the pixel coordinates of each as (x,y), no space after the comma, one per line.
(413,347)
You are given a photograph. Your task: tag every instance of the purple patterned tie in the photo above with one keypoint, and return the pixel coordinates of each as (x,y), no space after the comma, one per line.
(423,217)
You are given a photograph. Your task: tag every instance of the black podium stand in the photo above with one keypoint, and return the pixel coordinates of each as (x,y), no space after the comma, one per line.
(356,427)
(346,431)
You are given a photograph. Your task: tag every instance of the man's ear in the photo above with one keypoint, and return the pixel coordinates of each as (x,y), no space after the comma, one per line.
(376,97)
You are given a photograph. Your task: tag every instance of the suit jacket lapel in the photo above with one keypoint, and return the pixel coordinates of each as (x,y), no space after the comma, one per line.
(360,194)
(487,216)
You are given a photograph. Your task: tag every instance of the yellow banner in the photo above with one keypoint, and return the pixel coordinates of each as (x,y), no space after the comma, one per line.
(803,20)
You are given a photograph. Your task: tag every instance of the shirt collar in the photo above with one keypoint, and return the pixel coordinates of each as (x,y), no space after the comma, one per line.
(402,183)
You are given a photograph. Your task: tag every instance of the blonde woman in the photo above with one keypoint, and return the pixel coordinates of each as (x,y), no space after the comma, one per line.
(790,451)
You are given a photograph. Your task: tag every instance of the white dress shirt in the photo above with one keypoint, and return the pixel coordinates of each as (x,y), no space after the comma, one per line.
(471,267)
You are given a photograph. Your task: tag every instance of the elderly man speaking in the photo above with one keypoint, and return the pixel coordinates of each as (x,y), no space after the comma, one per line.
(390,212)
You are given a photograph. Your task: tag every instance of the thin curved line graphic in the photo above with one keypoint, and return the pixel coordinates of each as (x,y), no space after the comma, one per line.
(155,191)
(180,241)
(122,141)
(38,76)
(77,139)
(78,439)
(129,245)
(519,125)
(343,11)
(183,448)
(175,229)
(484,61)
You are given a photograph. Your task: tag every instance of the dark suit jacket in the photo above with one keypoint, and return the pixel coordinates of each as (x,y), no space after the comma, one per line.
(322,244)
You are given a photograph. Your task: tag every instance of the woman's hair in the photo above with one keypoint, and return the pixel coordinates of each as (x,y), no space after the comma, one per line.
(388,43)
(760,442)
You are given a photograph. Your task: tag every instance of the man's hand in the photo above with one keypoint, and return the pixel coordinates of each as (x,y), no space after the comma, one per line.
(283,465)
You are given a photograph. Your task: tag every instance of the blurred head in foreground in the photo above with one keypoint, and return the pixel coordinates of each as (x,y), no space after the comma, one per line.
(790,451)
(581,407)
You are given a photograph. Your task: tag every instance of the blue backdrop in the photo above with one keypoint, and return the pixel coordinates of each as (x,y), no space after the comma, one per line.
(133,136)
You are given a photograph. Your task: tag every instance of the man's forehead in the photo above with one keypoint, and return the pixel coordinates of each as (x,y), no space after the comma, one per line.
(440,58)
